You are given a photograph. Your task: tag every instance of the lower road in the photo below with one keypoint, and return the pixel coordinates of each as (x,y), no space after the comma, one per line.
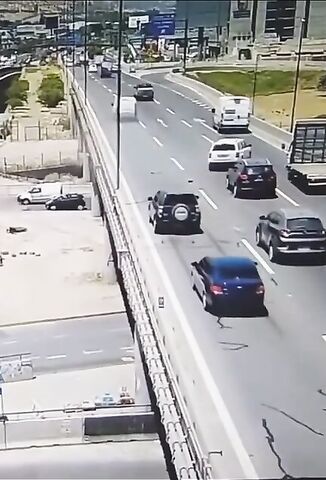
(269,371)
(74,344)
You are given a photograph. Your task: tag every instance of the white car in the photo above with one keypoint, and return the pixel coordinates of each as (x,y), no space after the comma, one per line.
(227,151)
(92,68)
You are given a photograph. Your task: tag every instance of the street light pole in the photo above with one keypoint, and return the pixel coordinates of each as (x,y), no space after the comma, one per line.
(74,42)
(255,84)
(85,48)
(119,94)
(297,73)
(185,39)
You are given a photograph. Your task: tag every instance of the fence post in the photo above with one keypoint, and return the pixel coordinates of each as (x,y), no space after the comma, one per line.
(42,159)
(60,157)
(24,162)
(5,164)
(25,134)
(39,129)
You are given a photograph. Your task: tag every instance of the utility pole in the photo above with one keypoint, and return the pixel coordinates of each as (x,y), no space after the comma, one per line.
(74,41)
(297,74)
(85,48)
(119,94)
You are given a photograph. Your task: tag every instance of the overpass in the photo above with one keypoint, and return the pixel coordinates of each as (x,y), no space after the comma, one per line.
(238,397)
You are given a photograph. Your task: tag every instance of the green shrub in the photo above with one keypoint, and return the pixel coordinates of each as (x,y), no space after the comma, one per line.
(18,89)
(322,83)
(14,102)
(51,97)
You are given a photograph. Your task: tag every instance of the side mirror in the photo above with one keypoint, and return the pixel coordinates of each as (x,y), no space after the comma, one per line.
(262,217)
(213,110)
(149,199)
(283,146)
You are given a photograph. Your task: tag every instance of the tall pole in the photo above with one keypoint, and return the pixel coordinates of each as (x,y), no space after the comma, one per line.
(185,46)
(3,420)
(74,42)
(85,48)
(119,94)
(297,73)
(255,84)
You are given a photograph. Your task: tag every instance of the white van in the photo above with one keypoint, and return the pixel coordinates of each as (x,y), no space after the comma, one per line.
(40,193)
(128,107)
(232,113)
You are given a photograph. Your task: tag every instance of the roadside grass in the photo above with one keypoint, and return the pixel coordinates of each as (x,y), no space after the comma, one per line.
(268,82)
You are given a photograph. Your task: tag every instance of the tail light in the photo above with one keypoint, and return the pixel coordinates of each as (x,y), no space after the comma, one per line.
(284,233)
(260,290)
(216,290)
(237,155)
(323,232)
(243,177)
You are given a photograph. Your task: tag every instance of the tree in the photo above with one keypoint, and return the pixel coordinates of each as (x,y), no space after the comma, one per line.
(51,97)
(14,102)
(322,83)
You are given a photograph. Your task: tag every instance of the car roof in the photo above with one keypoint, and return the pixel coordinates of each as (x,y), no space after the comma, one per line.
(228,140)
(144,85)
(234,262)
(289,213)
(256,162)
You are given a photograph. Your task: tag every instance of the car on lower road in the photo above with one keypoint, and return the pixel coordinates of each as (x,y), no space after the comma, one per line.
(174,211)
(291,231)
(70,201)
(255,176)
(92,68)
(144,91)
(226,152)
(226,282)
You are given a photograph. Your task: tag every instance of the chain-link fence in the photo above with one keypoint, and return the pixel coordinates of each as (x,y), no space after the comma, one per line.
(19,132)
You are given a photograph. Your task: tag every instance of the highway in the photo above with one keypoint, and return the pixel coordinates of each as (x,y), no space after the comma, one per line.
(74,344)
(269,370)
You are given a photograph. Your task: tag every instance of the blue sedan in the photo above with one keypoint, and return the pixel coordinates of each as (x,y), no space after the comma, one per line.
(225,282)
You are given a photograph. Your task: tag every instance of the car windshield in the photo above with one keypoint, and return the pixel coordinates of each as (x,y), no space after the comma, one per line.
(259,169)
(304,224)
(223,146)
(230,272)
(187,198)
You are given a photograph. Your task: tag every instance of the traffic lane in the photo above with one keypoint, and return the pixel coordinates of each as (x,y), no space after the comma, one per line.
(187,300)
(269,375)
(71,344)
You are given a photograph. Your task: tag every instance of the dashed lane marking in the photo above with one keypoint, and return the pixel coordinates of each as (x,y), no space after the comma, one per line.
(208,139)
(156,140)
(286,197)
(257,256)
(186,123)
(91,352)
(208,199)
(142,124)
(177,163)
(55,357)
(157,102)
(170,111)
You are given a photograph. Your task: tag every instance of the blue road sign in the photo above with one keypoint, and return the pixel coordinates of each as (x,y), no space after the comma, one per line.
(161,25)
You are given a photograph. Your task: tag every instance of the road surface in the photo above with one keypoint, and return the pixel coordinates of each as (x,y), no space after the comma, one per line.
(270,370)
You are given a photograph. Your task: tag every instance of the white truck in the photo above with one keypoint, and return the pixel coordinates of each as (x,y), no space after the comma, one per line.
(232,113)
(128,107)
(40,193)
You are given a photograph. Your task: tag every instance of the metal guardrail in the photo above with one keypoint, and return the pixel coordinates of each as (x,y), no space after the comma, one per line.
(188,458)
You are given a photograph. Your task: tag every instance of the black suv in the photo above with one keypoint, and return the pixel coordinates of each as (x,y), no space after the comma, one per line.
(180,210)
(252,176)
(144,91)
(290,231)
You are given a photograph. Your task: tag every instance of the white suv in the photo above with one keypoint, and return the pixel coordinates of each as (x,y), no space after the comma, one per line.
(227,151)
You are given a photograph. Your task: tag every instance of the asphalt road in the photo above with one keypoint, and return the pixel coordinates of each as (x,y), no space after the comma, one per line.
(75,344)
(270,370)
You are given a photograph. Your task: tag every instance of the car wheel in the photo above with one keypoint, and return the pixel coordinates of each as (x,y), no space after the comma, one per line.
(228,185)
(53,207)
(258,238)
(26,201)
(272,253)
(80,207)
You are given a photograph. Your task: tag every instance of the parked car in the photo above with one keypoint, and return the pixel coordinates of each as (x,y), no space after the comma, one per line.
(291,231)
(144,91)
(70,201)
(252,176)
(227,151)
(174,211)
(105,400)
(224,282)
(92,68)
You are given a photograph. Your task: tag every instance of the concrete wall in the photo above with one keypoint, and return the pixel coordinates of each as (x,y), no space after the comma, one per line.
(317,19)
(120,425)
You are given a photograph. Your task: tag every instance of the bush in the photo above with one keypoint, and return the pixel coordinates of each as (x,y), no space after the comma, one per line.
(322,83)
(14,102)
(51,91)
(18,90)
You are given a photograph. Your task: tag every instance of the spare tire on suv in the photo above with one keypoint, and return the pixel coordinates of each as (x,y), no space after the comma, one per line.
(181,212)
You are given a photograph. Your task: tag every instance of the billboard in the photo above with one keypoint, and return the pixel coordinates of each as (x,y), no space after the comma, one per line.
(135,22)
(161,25)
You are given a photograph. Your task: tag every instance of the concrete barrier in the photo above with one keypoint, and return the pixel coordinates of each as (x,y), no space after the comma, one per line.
(260,128)
(121,424)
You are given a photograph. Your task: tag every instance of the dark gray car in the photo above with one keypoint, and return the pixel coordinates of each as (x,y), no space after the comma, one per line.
(291,231)
(252,176)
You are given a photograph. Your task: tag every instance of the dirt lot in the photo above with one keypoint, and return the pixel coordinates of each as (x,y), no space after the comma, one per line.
(277,108)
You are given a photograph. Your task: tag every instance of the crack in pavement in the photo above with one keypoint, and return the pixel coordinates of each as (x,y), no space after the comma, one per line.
(294,419)
(271,440)
(238,346)
(221,325)
(321,392)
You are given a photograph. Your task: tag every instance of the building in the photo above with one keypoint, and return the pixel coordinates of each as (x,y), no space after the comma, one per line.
(211,13)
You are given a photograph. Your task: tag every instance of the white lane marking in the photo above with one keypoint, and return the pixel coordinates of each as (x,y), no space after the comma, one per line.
(127,348)
(323,337)
(91,352)
(127,359)
(289,199)
(157,102)
(170,111)
(201,362)
(36,357)
(257,256)
(177,163)
(208,139)
(105,86)
(159,120)
(110,90)
(209,128)
(207,107)
(142,124)
(178,93)
(55,357)
(186,123)
(130,85)
(202,104)
(9,342)
(208,199)
(156,140)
